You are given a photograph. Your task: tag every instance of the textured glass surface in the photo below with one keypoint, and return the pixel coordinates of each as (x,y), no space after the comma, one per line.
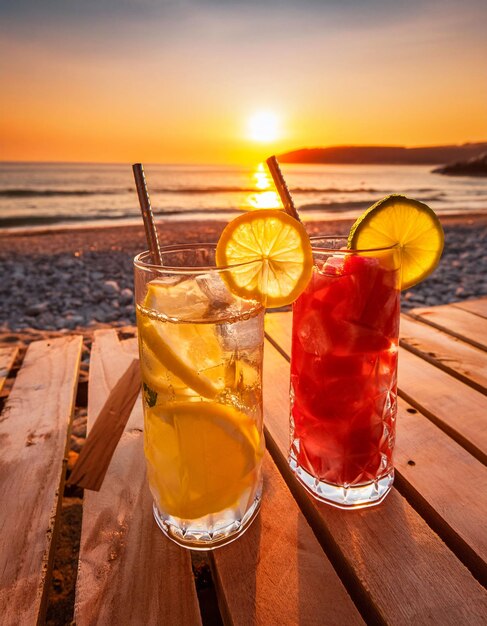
(344,378)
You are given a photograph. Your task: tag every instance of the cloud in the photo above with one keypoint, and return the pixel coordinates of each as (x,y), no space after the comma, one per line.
(381,10)
(111,27)
(170,16)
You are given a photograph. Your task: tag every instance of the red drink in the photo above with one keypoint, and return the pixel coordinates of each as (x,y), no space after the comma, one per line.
(343,376)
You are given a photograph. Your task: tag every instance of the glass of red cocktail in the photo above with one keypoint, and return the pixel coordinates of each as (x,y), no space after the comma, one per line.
(344,374)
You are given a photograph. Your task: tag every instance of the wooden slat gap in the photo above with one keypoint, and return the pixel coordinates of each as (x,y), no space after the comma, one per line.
(8,356)
(451,432)
(442,366)
(445,329)
(461,305)
(350,580)
(208,599)
(457,545)
(277,346)
(223,608)
(49,560)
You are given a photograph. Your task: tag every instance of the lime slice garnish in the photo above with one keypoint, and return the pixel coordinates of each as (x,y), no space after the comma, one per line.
(409,223)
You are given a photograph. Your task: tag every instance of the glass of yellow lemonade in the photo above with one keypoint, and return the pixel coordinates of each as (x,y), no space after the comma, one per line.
(201,351)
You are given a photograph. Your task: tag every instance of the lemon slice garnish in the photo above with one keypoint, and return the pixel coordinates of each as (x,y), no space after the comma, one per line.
(276,250)
(203,456)
(409,223)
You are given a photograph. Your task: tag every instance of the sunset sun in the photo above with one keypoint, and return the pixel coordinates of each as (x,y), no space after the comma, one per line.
(263,127)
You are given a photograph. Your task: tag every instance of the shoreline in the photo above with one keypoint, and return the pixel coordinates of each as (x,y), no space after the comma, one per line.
(320,217)
(68,280)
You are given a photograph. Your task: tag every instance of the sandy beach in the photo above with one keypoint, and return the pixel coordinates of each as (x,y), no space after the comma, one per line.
(67,279)
(80,279)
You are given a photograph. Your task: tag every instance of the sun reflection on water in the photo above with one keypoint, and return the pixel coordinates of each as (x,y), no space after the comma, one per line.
(265,197)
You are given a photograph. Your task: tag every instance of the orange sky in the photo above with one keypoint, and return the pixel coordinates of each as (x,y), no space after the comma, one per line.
(181,86)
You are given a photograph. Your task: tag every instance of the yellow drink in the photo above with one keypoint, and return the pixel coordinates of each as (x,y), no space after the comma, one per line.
(201,365)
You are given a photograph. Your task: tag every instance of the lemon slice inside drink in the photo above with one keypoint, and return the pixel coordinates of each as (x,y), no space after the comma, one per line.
(190,352)
(409,223)
(274,254)
(203,457)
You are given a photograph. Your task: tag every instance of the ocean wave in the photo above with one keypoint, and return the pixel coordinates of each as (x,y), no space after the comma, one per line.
(334,206)
(298,190)
(350,205)
(24,221)
(334,190)
(48,220)
(236,189)
(49,193)
(205,189)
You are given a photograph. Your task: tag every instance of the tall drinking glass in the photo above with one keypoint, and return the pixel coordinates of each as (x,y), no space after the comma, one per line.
(201,362)
(344,374)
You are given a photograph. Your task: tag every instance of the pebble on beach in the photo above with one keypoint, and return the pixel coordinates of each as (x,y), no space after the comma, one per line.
(91,284)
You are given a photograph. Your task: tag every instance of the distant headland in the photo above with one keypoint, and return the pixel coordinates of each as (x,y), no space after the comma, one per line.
(476,166)
(385,155)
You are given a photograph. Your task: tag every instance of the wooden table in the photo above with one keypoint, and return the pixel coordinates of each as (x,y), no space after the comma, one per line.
(418,558)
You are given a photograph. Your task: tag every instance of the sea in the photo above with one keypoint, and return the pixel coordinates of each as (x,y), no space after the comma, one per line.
(37,195)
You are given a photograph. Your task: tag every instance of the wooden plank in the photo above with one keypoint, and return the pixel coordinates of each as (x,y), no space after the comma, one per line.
(278,331)
(442,480)
(389,552)
(8,354)
(130,346)
(455,321)
(97,451)
(33,435)
(457,409)
(276,573)
(129,573)
(108,361)
(478,306)
(450,354)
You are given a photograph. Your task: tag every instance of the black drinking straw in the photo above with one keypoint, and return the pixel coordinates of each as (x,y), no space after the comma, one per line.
(282,187)
(147,215)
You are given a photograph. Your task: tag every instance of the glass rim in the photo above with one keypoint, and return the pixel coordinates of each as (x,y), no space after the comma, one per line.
(186,269)
(315,238)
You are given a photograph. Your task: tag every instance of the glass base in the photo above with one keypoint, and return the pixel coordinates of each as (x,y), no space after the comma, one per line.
(197,538)
(342,497)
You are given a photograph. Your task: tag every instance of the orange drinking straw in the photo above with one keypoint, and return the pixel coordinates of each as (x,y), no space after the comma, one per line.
(282,187)
(147,215)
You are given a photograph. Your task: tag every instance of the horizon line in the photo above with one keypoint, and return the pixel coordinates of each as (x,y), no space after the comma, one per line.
(192,163)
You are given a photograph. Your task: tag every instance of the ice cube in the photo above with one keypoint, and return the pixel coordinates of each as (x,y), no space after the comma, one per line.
(244,334)
(182,301)
(215,290)
(334,266)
